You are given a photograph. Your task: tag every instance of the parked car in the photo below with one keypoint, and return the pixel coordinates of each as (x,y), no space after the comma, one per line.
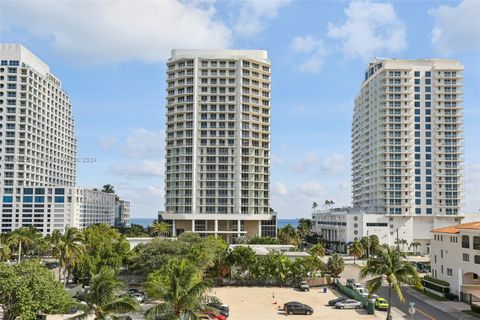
(304,286)
(350,283)
(216,316)
(373,297)
(297,308)
(223,309)
(381,304)
(349,304)
(363,292)
(357,286)
(138,296)
(339,299)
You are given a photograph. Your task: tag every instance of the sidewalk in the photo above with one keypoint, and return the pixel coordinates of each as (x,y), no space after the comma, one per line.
(451,307)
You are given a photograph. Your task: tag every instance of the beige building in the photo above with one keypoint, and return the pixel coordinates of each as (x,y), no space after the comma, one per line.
(407,141)
(218,143)
(455,257)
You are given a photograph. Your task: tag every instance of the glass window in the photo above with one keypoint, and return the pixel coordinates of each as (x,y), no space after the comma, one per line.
(417,104)
(428,74)
(418,210)
(476,242)
(466,242)
(417,89)
(418,194)
(428,81)
(417,73)
(477,259)
(428,104)
(429,210)
(417,81)
(418,201)
(428,97)
(59,199)
(8,199)
(28,199)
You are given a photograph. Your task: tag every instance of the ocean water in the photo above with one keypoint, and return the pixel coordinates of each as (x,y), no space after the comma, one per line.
(145,222)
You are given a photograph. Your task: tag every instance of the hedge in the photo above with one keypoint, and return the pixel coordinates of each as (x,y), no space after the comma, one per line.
(436,281)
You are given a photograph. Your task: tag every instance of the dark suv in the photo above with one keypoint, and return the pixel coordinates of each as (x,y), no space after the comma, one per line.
(297,308)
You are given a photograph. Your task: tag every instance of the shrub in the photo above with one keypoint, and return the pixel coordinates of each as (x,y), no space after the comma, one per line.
(436,281)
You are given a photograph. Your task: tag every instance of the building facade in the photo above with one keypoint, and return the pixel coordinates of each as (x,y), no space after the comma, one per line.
(218,143)
(455,257)
(122,213)
(407,141)
(38,151)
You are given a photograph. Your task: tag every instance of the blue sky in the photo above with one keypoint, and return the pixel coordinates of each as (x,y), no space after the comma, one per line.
(111,57)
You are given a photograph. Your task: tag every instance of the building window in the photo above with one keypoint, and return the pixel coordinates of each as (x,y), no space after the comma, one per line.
(476,243)
(449,272)
(477,259)
(466,257)
(465,242)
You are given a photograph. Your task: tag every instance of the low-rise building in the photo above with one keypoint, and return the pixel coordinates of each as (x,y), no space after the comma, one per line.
(455,257)
(340,226)
(122,213)
(55,208)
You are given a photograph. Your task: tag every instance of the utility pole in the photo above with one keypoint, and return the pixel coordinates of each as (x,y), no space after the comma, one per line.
(368,246)
(398,243)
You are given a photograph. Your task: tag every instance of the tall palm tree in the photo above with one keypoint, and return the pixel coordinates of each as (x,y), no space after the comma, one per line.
(19,237)
(288,235)
(355,250)
(55,238)
(401,242)
(391,266)
(304,228)
(335,265)
(415,245)
(317,250)
(160,229)
(314,206)
(108,188)
(182,291)
(103,300)
(70,251)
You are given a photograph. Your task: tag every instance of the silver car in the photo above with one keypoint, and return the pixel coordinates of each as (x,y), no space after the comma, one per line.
(349,304)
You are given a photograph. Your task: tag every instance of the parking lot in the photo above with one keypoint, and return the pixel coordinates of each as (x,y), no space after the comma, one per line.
(255,303)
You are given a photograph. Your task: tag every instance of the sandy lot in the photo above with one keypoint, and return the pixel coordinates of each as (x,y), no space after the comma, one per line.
(257,303)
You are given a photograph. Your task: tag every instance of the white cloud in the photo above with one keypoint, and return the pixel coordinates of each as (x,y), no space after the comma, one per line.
(145,143)
(312,190)
(335,164)
(280,189)
(117,31)
(304,44)
(146,168)
(307,162)
(316,49)
(254,14)
(107,142)
(370,29)
(457,29)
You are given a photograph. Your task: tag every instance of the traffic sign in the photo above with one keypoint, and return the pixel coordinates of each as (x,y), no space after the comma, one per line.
(411,310)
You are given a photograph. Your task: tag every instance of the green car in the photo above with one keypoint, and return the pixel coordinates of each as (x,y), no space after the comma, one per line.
(381,304)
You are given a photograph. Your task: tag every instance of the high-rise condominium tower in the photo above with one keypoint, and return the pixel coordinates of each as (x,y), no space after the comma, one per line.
(218,143)
(38,151)
(407,142)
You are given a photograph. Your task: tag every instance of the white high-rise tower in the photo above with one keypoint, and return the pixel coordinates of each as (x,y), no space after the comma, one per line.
(218,143)
(407,144)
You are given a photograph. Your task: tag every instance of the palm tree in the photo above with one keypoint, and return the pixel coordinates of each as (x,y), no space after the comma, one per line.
(391,266)
(314,206)
(304,227)
(317,250)
(335,265)
(288,235)
(108,188)
(55,239)
(70,251)
(415,245)
(355,250)
(19,237)
(160,228)
(103,300)
(4,252)
(401,242)
(181,290)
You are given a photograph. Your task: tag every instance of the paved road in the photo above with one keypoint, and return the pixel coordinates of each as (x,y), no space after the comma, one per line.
(424,311)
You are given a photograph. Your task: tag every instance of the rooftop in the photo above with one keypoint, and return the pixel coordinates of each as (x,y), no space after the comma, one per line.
(474,225)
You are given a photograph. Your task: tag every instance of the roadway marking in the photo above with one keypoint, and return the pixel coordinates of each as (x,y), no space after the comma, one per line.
(425,314)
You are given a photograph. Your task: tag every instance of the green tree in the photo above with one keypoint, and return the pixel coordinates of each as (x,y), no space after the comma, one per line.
(288,235)
(263,240)
(104,246)
(356,250)
(103,300)
(317,250)
(159,229)
(108,188)
(415,245)
(241,258)
(22,236)
(28,287)
(54,238)
(401,242)
(390,266)
(180,288)
(70,251)
(304,228)
(335,265)
(314,206)
(4,252)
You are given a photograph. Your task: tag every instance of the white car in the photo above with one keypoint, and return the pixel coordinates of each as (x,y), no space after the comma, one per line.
(357,286)
(349,304)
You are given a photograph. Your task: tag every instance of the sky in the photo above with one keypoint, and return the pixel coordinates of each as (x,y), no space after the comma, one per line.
(110,57)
